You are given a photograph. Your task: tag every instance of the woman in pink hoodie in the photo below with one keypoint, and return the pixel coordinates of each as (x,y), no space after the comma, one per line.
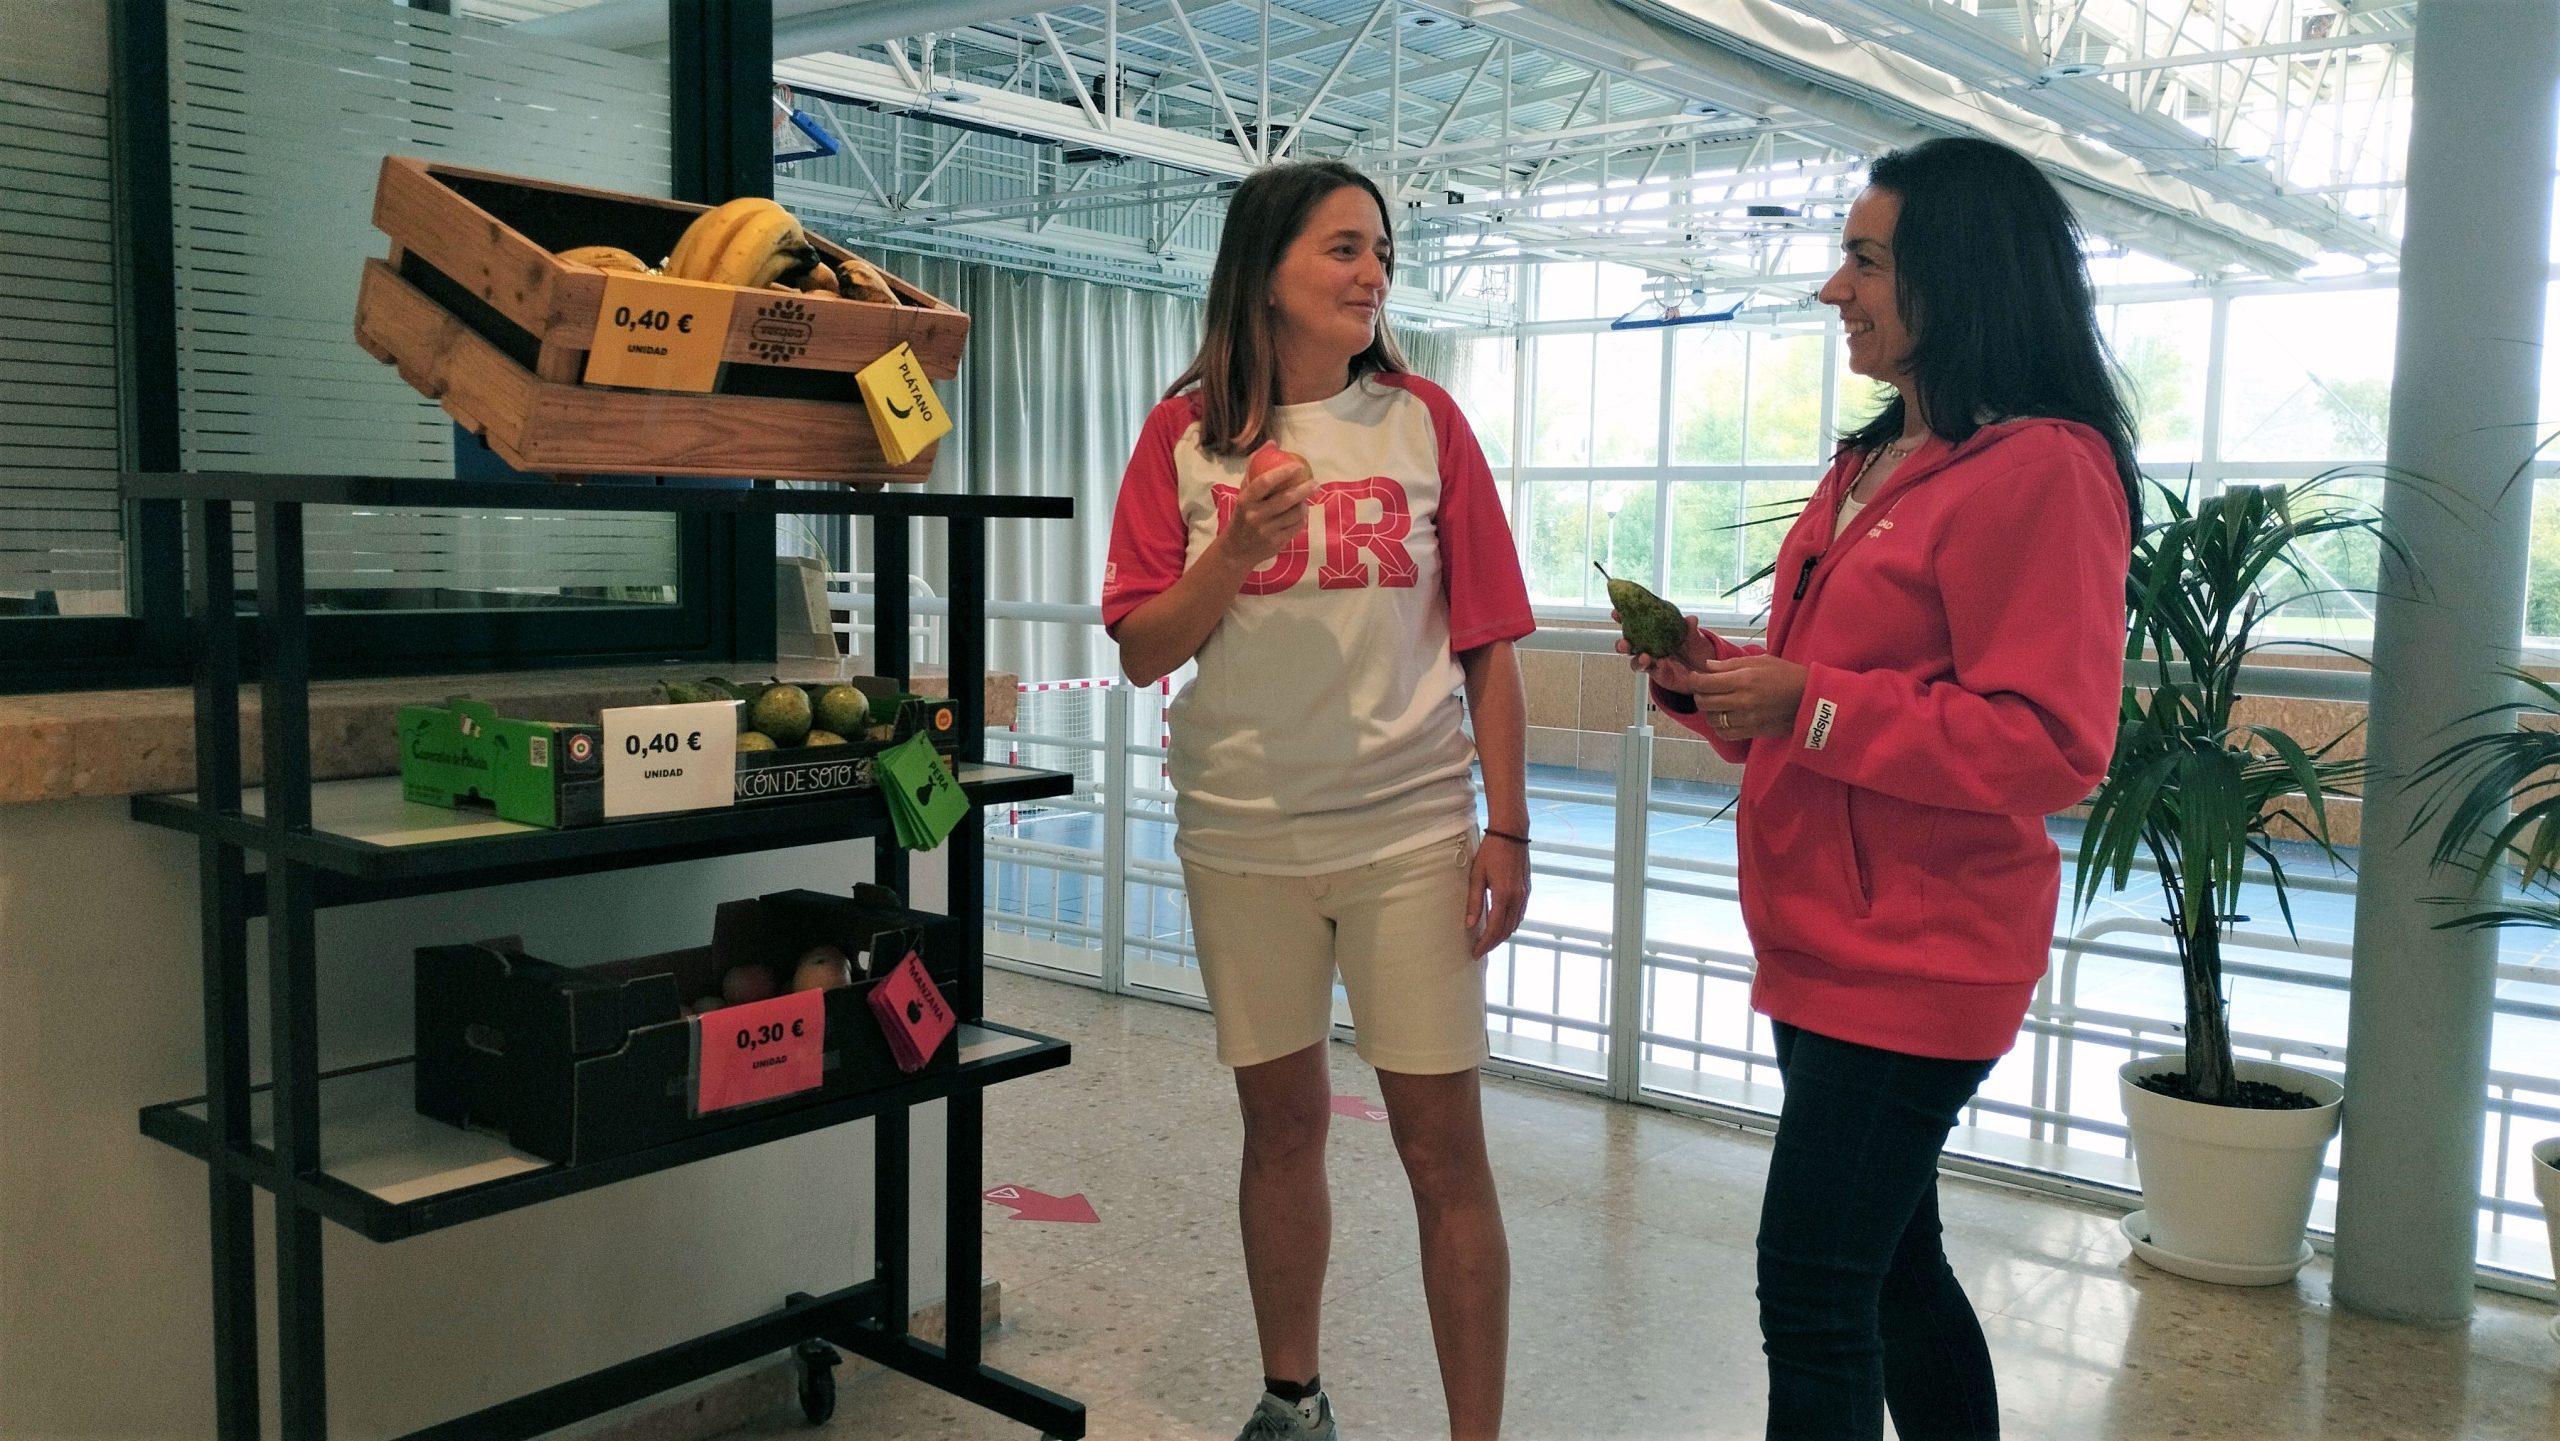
(1942,671)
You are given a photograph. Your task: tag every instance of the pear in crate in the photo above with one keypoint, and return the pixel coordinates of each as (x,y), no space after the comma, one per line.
(1653,626)
(782,712)
(843,709)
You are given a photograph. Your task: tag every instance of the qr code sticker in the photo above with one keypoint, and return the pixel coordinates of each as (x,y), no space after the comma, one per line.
(537,752)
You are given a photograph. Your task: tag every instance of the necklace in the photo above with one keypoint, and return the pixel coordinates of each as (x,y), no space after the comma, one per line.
(1894,452)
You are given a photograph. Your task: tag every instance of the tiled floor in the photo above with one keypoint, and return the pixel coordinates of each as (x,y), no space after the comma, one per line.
(1632,1309)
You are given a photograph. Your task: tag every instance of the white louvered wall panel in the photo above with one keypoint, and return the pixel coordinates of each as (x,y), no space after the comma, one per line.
(282,112)
(61,527)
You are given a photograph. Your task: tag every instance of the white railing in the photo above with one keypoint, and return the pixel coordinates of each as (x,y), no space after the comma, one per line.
(1086,887)
(849,603)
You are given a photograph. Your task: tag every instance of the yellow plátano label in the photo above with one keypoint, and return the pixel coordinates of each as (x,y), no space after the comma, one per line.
(904,409)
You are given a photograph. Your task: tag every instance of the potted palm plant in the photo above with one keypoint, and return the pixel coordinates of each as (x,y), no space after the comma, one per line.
(2229,1151)
(2493,805)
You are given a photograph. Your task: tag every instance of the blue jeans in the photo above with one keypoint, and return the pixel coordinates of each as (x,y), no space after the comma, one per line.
(1858,1308)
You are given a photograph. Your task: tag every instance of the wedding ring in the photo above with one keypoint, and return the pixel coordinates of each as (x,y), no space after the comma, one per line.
(1724,720)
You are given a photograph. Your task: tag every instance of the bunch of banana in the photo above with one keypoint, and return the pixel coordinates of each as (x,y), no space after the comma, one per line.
(750,242)
(607,257)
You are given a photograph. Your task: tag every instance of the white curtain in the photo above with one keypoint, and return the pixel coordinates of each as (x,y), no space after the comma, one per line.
(1058,376)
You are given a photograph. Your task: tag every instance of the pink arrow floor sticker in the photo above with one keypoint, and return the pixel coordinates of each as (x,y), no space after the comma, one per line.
(1030,1205)
(1358,1108)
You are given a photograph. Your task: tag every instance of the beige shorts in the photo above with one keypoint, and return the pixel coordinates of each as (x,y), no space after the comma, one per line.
(1396,932)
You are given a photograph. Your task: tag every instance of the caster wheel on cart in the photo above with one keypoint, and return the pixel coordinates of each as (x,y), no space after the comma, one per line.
(818,1381)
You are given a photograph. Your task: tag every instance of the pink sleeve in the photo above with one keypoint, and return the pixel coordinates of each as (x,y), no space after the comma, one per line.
(1149,539)
(1479,563)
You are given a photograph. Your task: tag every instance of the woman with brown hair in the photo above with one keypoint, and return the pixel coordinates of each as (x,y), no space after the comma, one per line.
(1941,672)
(1317,528)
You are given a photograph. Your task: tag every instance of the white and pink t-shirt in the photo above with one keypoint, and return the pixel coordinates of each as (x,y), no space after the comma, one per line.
(1324,729)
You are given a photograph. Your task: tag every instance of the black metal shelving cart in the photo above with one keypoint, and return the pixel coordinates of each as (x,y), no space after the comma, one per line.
(346,1145)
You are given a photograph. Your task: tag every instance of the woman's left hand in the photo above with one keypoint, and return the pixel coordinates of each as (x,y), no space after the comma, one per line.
(1497,892)
(1750,697)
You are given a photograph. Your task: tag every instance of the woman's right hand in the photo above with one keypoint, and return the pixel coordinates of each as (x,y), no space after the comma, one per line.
(1271,511)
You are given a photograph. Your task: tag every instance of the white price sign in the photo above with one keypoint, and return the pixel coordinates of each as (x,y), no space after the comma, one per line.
(660,758)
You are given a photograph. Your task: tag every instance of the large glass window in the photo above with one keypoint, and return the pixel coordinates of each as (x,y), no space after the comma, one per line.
(1618,289)
(1745,401)
(1626,398)
(1560,400)
(2307,376)
(1786,398)
(2542,582)
(1566,291)
(1556,536)
(1724,538)
(2160,361)
(1622,539)
(1482,386)
(1707,364)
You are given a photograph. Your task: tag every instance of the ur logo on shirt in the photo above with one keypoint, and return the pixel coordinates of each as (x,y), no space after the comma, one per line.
(1351,540)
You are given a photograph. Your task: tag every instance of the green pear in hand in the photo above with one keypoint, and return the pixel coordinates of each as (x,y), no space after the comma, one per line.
(1653,626)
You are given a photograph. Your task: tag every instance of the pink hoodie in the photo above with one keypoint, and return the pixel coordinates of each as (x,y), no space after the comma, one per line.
(1964,645)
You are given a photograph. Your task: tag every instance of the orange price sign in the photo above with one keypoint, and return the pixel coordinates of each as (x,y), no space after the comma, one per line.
(759,1051)
(659,334)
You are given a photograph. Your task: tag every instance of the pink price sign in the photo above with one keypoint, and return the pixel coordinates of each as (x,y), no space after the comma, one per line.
(758,1051)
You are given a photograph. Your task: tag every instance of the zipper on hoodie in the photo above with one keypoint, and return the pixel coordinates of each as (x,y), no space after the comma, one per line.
(1804,573)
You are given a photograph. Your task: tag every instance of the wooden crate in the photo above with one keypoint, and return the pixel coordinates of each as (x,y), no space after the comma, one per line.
(481,316)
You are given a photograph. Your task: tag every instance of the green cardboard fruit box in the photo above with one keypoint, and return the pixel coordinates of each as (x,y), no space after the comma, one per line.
(535,773)
(464,755)
(798,772)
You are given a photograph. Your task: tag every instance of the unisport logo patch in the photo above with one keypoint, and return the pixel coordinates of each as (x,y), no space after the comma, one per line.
(1818,734)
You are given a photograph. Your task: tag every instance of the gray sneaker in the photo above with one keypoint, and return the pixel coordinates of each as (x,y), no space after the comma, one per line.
(1278,1420)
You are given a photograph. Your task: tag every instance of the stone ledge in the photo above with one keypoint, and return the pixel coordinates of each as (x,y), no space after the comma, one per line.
(75,744)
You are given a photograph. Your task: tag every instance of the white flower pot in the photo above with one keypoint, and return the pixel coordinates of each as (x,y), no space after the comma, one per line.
(2226,1190)
(2546,1189)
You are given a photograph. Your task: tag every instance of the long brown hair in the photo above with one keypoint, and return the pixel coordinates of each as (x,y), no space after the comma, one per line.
(1237,371)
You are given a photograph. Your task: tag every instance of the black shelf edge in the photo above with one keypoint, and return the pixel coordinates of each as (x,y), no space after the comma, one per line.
(537,854)
(404,492)
(376,1219)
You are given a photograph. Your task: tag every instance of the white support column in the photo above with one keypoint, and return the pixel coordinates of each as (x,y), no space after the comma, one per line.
(2474,270)
(1626,928)
(1116,730)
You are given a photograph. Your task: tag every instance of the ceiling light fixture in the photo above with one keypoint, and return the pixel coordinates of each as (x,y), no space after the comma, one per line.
(2073,70)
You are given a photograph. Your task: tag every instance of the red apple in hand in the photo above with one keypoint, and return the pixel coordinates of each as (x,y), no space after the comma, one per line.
(1270,457)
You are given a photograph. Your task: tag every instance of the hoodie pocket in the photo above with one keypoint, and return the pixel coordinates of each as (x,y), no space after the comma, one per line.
(1806,874)
(1861,875)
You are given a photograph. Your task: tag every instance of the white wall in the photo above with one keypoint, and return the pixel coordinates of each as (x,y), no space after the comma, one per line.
(104,1291)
